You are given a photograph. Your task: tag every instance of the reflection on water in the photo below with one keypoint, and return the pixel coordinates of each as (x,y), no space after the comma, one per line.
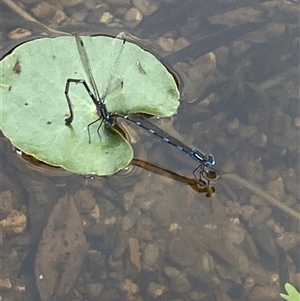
(145,235)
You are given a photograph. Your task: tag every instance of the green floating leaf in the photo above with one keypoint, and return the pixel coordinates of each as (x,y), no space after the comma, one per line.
(33,104)
(293,294)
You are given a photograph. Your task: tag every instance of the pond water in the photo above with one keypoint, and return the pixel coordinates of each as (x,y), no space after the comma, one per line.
(148,232)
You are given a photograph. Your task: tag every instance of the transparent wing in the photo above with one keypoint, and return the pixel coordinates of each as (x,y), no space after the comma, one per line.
(87,65)
(116,49)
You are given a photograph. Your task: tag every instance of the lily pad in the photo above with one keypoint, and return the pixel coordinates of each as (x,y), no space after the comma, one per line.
(34,107)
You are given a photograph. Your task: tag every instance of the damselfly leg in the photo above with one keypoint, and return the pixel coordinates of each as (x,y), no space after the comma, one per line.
(69,119)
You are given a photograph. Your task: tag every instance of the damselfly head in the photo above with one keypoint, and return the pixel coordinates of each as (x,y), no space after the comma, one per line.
(210,190)
(211,160)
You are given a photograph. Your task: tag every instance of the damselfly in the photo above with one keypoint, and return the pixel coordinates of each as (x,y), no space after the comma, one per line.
(99,100)
(204,168)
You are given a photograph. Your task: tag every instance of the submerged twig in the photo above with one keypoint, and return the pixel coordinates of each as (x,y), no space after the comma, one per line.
(28,17)
(263,194)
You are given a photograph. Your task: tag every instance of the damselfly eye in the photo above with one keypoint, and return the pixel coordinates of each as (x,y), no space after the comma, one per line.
(211,159)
